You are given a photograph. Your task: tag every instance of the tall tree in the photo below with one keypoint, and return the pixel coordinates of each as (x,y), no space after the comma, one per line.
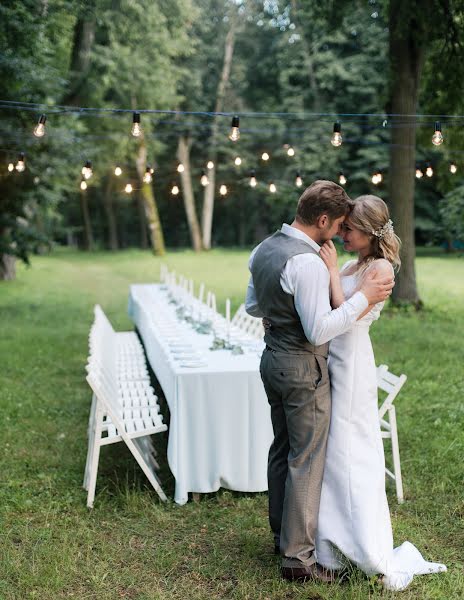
(183,154)
(149,203)
(83,40)
(208,200)
(34,45)
(108,204)
(413,27)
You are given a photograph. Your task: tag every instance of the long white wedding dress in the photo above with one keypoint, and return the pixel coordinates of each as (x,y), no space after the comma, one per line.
(354,518)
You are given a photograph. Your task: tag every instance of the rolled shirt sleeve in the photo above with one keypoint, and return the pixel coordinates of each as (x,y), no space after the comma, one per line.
(307,278)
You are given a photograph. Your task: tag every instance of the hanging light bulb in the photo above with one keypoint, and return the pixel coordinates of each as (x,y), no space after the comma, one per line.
(21,164)
(238,161)
(437,137)
(204,179)
(180,168)
(210,164)
(10,167)
(235,131)
(419,173)
(147,178)
(272,188)
(337,139)
(87,170)
(453,168)
(223,190)
(174,190)
(83,185)
(341,178)
(429,170)
(128,188)
(377,178)
(290,151)
(118,171)
(253,182)
(136,128)
(265,156)
(298,180)
(39,130)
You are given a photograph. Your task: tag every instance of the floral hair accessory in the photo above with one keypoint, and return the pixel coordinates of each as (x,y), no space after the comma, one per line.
(381,232)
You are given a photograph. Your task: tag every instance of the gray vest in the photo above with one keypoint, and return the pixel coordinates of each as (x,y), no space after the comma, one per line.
(286,333)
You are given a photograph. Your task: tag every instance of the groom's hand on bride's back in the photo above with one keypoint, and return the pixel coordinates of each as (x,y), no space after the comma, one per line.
(377,286)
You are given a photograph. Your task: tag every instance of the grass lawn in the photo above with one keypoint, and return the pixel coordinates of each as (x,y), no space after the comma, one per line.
(131,545)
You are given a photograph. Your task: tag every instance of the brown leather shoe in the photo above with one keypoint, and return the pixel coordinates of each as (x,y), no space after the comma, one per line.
(312,573)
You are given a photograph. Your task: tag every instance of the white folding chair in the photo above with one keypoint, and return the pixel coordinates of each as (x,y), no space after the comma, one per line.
(239,316)
(124,405)
(251,325)
(391,384)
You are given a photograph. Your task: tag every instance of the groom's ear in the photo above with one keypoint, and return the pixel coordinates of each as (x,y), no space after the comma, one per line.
(322,221)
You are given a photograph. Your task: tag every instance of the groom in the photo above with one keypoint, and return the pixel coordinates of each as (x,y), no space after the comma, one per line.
(289,286)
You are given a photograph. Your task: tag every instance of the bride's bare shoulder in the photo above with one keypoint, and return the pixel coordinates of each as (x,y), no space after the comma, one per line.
(382,266)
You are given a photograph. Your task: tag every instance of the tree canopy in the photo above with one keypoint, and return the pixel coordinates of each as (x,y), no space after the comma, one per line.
(308,65)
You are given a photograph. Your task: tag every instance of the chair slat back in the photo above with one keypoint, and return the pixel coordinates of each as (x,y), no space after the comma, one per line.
(389,383)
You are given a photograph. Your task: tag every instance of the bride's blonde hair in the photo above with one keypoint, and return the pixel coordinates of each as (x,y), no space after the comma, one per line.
(371,216)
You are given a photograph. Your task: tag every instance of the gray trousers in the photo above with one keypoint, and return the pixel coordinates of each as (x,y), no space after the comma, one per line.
(298,390)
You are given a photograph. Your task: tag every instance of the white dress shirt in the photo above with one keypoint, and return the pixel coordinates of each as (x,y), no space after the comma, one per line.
(306,277)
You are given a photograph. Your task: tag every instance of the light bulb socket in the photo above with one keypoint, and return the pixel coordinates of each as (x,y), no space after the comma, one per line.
(21,156)
(136,117)
(298,174)
(42,119)
(252,173)
(235,121)
(88,164)
(437,126)
(337,127)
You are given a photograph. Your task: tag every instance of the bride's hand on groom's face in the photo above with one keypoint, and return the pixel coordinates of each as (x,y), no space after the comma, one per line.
(328,253)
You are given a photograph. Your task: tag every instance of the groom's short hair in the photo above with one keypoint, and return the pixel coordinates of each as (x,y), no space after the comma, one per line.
(322,198)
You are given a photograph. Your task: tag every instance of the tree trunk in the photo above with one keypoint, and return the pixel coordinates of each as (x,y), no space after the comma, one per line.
(7,267)
(142,221)
(149,203)
(406,59)
(208,200)
(113,243)
(88,235)
(308,59)
(183,154)
(84,36)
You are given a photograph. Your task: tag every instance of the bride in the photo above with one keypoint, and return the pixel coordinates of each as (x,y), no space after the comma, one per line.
(354,519)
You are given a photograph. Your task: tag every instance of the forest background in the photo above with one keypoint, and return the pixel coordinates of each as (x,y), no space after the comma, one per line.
(386,70)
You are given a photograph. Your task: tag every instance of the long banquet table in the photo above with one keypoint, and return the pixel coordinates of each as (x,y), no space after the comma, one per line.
(220,428)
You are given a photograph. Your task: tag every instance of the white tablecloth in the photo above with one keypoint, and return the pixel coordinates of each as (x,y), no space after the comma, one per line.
(220,428)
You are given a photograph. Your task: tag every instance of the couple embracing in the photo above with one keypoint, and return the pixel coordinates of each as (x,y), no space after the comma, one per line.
(326,471)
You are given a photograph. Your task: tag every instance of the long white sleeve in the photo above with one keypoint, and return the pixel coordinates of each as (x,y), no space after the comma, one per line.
(307,279)
(251,302)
